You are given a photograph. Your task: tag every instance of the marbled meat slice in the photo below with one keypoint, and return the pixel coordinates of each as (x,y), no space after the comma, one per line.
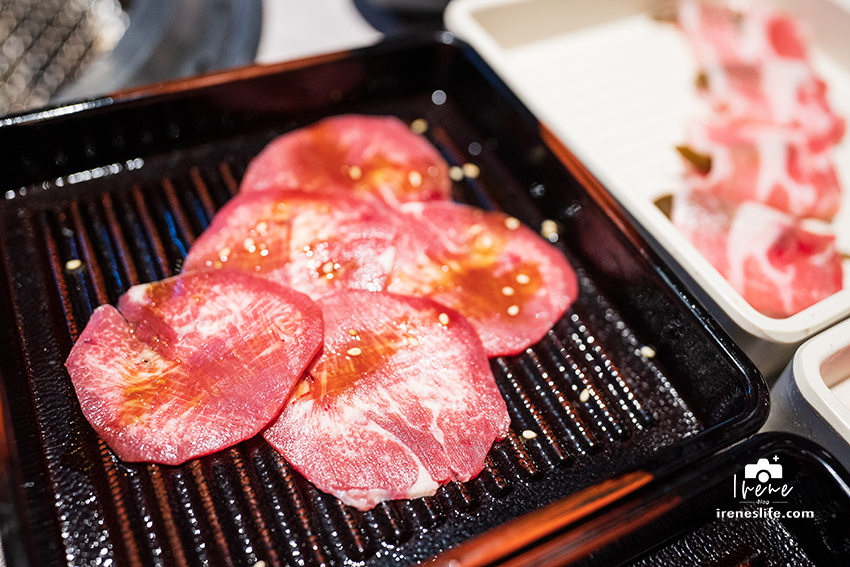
(510,283)
(704,220)
(366,155)
(192,364)
(401,400)
(776,94)
(316,243)
(755,68)
(769,164)
(777,265)
(722,35)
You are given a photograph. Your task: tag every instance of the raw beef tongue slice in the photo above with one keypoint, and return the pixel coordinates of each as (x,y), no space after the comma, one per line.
(192,364)
(506,280)
(366,155)
(315,243)
(769,164)
(401,400)
(249,233)
(778,266)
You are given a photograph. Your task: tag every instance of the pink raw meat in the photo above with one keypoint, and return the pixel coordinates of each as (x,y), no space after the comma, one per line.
(769,164)
(192,364)
(401,400)
(756,69)
(778,266)
(316,243)
(510,283)
(723,36)
(363,155)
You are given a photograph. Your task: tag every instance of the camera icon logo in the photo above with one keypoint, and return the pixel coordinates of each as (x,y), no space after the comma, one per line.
(763,470)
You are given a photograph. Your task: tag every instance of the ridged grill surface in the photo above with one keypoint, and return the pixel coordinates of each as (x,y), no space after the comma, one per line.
(584,402)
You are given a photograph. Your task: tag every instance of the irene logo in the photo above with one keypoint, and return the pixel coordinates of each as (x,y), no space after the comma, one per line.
(764,485)
(763,471)
(762,481)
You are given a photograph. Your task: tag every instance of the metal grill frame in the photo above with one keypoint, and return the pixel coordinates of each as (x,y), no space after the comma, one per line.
(122,183)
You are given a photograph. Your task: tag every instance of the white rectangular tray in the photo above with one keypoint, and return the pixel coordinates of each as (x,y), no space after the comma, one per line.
(812,397)
(616,84)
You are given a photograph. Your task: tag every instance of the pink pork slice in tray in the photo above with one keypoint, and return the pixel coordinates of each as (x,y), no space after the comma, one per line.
(364,155)
(769,164)
(401,401)
(756,68)
(780,97)
(510,283)
(778,266)
(724,36)
(192,364)
(316,243)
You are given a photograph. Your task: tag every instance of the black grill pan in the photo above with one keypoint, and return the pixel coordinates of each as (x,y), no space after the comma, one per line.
(106,194)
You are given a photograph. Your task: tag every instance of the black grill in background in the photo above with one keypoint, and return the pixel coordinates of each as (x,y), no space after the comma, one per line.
(46,44)
(102,198)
